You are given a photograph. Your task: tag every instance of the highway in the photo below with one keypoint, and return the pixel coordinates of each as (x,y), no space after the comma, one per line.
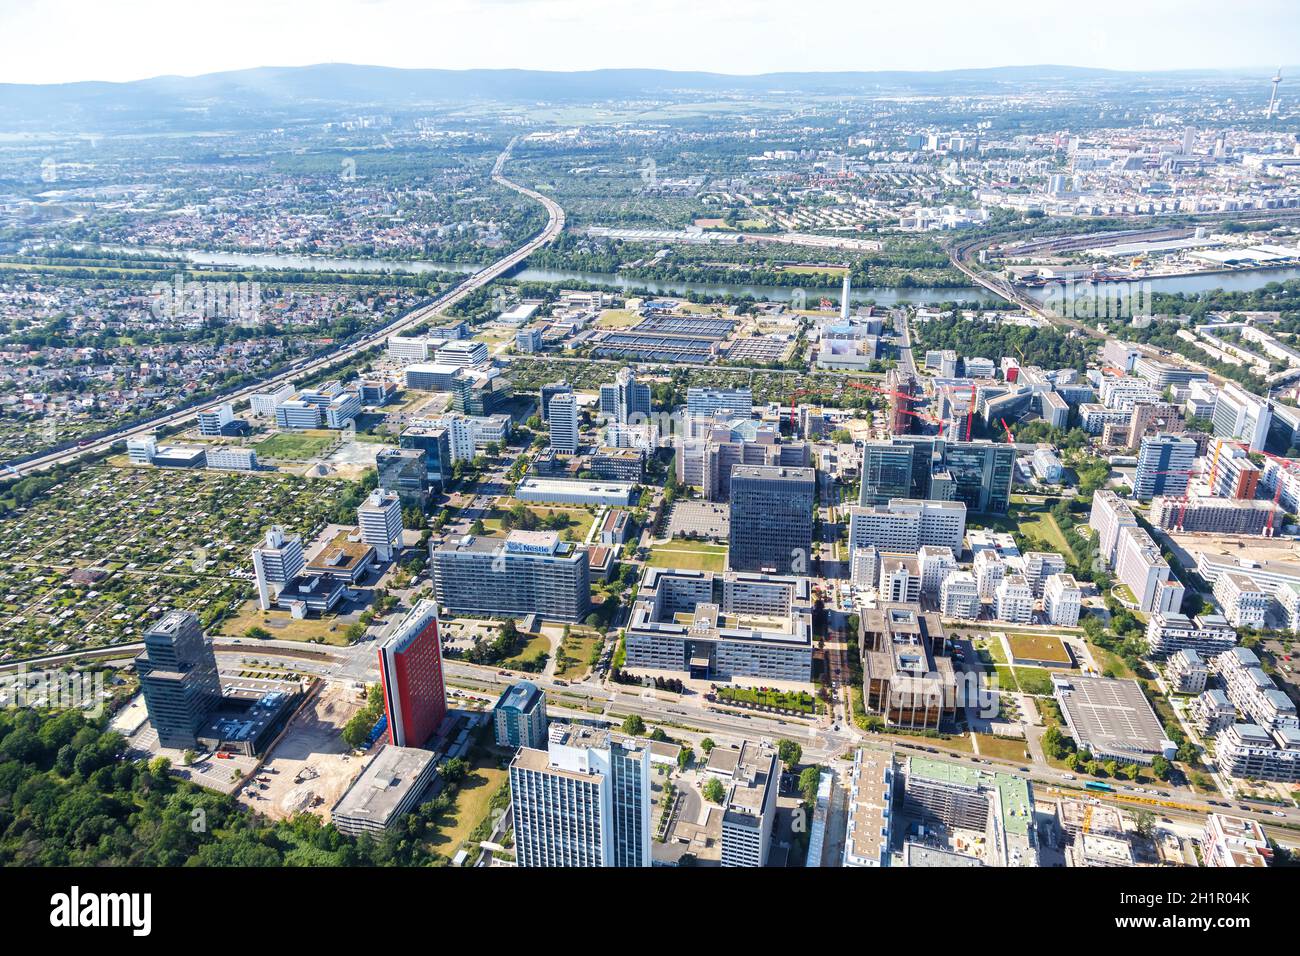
(554,225)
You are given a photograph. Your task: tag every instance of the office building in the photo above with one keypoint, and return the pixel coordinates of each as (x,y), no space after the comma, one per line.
(389,788)
(1232,473)
(295,414)
(998,805)
(1111,719)
(771,519)
(404,472)
(1110,514)
(583,801)
(563,419)
(1165,465)
(529,572)
(462,353)
(380,521)
(550,391)
(870,810)
(908,676)
(722,626)
(702,402)
(1153,418)
(1216,515)
(1239,414)
(519,717)
(276,562)
(263,404)
(900,579)
(178,676)
(625,400)
(215,419)
(413,348)
(410,667)
(429,376)
(435,442)
(231,458)
(749,807)
(706,456)
(561,491)
(908,525)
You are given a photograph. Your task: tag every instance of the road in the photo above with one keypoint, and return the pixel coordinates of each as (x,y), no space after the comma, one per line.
(343,354)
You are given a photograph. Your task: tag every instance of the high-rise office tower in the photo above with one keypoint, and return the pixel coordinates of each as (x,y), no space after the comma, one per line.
(276,561)
(435,442)
(550,391)
(178,675)
(1164,466)
(380,521)
(563,419)
(410,665)
(530,572)
(886,473)
(625,398)
(584,801)
(1241,415)
(404,472)
(771,519)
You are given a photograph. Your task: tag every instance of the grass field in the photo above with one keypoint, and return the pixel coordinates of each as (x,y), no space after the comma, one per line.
(282,626)
(617,319)
(471,804)
(689,555)
(581,519)
(571,662)
(815,270)
(295,446)
(1006,748)
(1034,680)
(1046,648)
(541,644)
(1041,525)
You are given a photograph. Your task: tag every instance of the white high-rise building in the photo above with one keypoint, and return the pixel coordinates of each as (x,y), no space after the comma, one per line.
(1014,600)
(936,564)
(1244,602)
(276,562)
(584,801)
(1062,600)
(140,451)
(959,596)
(214,419)
(990,569)
(563,418)
(380,521)
(1241,415)
(1041,565)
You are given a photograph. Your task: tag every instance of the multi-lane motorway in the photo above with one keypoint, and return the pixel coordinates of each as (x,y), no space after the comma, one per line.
(341,355)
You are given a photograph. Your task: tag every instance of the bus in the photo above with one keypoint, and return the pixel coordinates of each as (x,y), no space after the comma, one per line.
(1098,786)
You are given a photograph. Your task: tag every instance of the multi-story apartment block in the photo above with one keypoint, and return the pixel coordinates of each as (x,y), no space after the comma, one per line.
(749,807)
(1234,841)
(1164,466)
(1014,600)
(1187,672)
(870,799)
(1239,414)
(1216,515)
(1062,600)
(936,564)
(562,415)
(959,596)
(380,521)
(1209,634)
(1244,603)
(276,562)
(990,569)
(1041,565)
(908,525)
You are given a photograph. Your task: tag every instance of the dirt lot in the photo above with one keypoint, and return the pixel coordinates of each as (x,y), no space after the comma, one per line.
(311,767)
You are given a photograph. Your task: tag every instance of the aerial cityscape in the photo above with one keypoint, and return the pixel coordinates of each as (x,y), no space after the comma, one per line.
(495,469)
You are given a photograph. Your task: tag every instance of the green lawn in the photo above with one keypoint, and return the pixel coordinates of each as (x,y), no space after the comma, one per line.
(1006,748)
(571,663)
(296,446)
(541,644)
(799,701)
(1034,680)
(1041,525)
(470,806)
(689,555)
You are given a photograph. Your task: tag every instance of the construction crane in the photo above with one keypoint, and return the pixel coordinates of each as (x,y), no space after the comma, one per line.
(1011,439)
(862,386)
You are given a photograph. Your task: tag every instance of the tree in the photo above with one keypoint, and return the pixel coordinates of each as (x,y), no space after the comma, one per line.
(789,751)
(684,757)
(707,745)
(159,766)
(1146,823)
(1160,767)
(633,725)
(809,780)
(714,791)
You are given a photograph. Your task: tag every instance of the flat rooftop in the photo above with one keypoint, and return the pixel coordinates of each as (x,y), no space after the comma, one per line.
(1110,715)
(384,784)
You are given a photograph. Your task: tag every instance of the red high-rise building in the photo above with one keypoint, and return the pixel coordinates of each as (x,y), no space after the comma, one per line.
(410,663)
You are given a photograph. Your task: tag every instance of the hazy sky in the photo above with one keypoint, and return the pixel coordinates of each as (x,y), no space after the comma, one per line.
(47,41)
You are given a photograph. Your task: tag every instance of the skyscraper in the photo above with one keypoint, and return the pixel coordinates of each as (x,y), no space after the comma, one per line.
(410,665)
(624,398)
(1239,414)
(531,572)
(584,801)
(563,419)
(550,391)
(404,471)
(435,442)
(276,561)
(771,519)
(380,521)
(178,675)
(519,717)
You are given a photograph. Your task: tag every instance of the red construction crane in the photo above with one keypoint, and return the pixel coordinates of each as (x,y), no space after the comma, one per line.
(970,412)
(1011,439)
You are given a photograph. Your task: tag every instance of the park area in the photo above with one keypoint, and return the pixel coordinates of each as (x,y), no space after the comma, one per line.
(800,702)
(689,555)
